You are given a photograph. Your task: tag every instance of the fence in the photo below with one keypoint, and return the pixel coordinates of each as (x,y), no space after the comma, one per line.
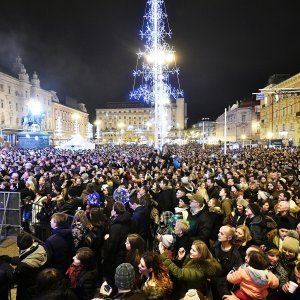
(10,216)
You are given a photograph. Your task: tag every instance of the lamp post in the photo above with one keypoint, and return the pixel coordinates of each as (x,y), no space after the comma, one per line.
(98,132)
(243,137)
(75,117)
(269,136)
(121,126)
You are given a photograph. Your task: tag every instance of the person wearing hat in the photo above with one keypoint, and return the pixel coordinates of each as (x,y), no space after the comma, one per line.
(181,211)
(124,281)
(283,226)
(31,260)
(276,267)
(256,223)
(198,219)
(290,251)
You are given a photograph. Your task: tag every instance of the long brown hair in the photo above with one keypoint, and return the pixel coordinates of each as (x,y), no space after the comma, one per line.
(202,249)
(137,245)
(159,271)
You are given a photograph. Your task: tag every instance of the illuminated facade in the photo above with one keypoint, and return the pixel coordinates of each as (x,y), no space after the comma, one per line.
(280,111)
(134,121)
(242,123)
(17,90)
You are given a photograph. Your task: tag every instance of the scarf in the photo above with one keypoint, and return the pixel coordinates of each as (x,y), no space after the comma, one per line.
(73,273)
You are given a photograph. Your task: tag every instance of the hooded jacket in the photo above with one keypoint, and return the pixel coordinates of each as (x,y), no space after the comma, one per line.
(29,263)
(253,282)
(193,274)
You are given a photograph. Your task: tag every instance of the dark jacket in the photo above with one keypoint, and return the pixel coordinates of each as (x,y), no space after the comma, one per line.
(258,229)
(60,246)
(86,285)
(164,200)
(183,241)
(115,249)
(200,226)
(216,217)
(29,263)
(141,221)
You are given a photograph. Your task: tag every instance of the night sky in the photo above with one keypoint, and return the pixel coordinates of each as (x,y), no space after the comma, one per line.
(226,50)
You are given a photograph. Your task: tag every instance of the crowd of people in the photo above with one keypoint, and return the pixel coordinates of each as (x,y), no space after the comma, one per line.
(132,222)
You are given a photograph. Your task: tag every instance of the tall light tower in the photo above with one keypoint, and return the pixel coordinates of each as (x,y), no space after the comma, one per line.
(157,67)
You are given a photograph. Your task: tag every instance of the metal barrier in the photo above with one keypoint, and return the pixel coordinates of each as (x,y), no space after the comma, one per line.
(10,216)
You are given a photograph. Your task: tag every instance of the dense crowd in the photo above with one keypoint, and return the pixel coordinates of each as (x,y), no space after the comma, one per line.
(132,222)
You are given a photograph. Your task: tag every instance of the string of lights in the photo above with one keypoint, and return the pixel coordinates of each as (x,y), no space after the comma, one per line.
(155,67)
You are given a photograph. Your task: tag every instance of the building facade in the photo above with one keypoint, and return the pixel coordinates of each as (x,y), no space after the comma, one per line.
(17,91)
(280,111)
(134,121)
(242,123)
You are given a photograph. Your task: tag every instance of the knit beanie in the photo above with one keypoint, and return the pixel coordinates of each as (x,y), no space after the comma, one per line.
(254,208)
(191,295)
(291,244)
(24,240)
(125,276)
(167,240)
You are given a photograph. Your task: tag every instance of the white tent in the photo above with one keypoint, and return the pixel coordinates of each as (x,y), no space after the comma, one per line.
(77,143)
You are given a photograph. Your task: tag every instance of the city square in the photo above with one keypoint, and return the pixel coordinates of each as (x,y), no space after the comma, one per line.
(149,150)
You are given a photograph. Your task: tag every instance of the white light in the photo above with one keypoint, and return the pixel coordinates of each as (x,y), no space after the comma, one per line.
(34,107)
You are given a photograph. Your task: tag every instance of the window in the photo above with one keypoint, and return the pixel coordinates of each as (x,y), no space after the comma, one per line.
(1,87)
(292,126)
(283,127)
(283,112)
(243,118)
(9,90)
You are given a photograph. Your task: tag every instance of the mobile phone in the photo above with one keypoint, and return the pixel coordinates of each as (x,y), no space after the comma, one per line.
(107,288)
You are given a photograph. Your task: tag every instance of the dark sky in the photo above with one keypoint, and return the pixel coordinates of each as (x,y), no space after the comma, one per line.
(87,49)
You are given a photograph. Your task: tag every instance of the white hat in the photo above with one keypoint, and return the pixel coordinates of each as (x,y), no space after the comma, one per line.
(167,240)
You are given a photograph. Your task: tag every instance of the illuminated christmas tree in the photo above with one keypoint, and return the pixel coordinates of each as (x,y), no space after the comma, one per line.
(155,69)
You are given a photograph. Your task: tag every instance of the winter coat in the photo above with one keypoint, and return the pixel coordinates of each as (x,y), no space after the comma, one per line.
(200,226)
(141,221)
(164,200)
(258,229)
(60,246)
(193,274)
(132,295)
(183,241)
(216,216)
(228,259)
(226,207)
(30,262)
(253,282)
(86,285)
(115,249)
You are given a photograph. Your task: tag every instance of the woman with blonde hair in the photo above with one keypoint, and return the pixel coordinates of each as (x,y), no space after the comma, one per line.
(242,239)
(198,267)
(81,228)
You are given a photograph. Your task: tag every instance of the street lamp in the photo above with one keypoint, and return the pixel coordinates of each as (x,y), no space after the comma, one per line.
(98,133)
(269,136)
(75,117)
(243,137)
